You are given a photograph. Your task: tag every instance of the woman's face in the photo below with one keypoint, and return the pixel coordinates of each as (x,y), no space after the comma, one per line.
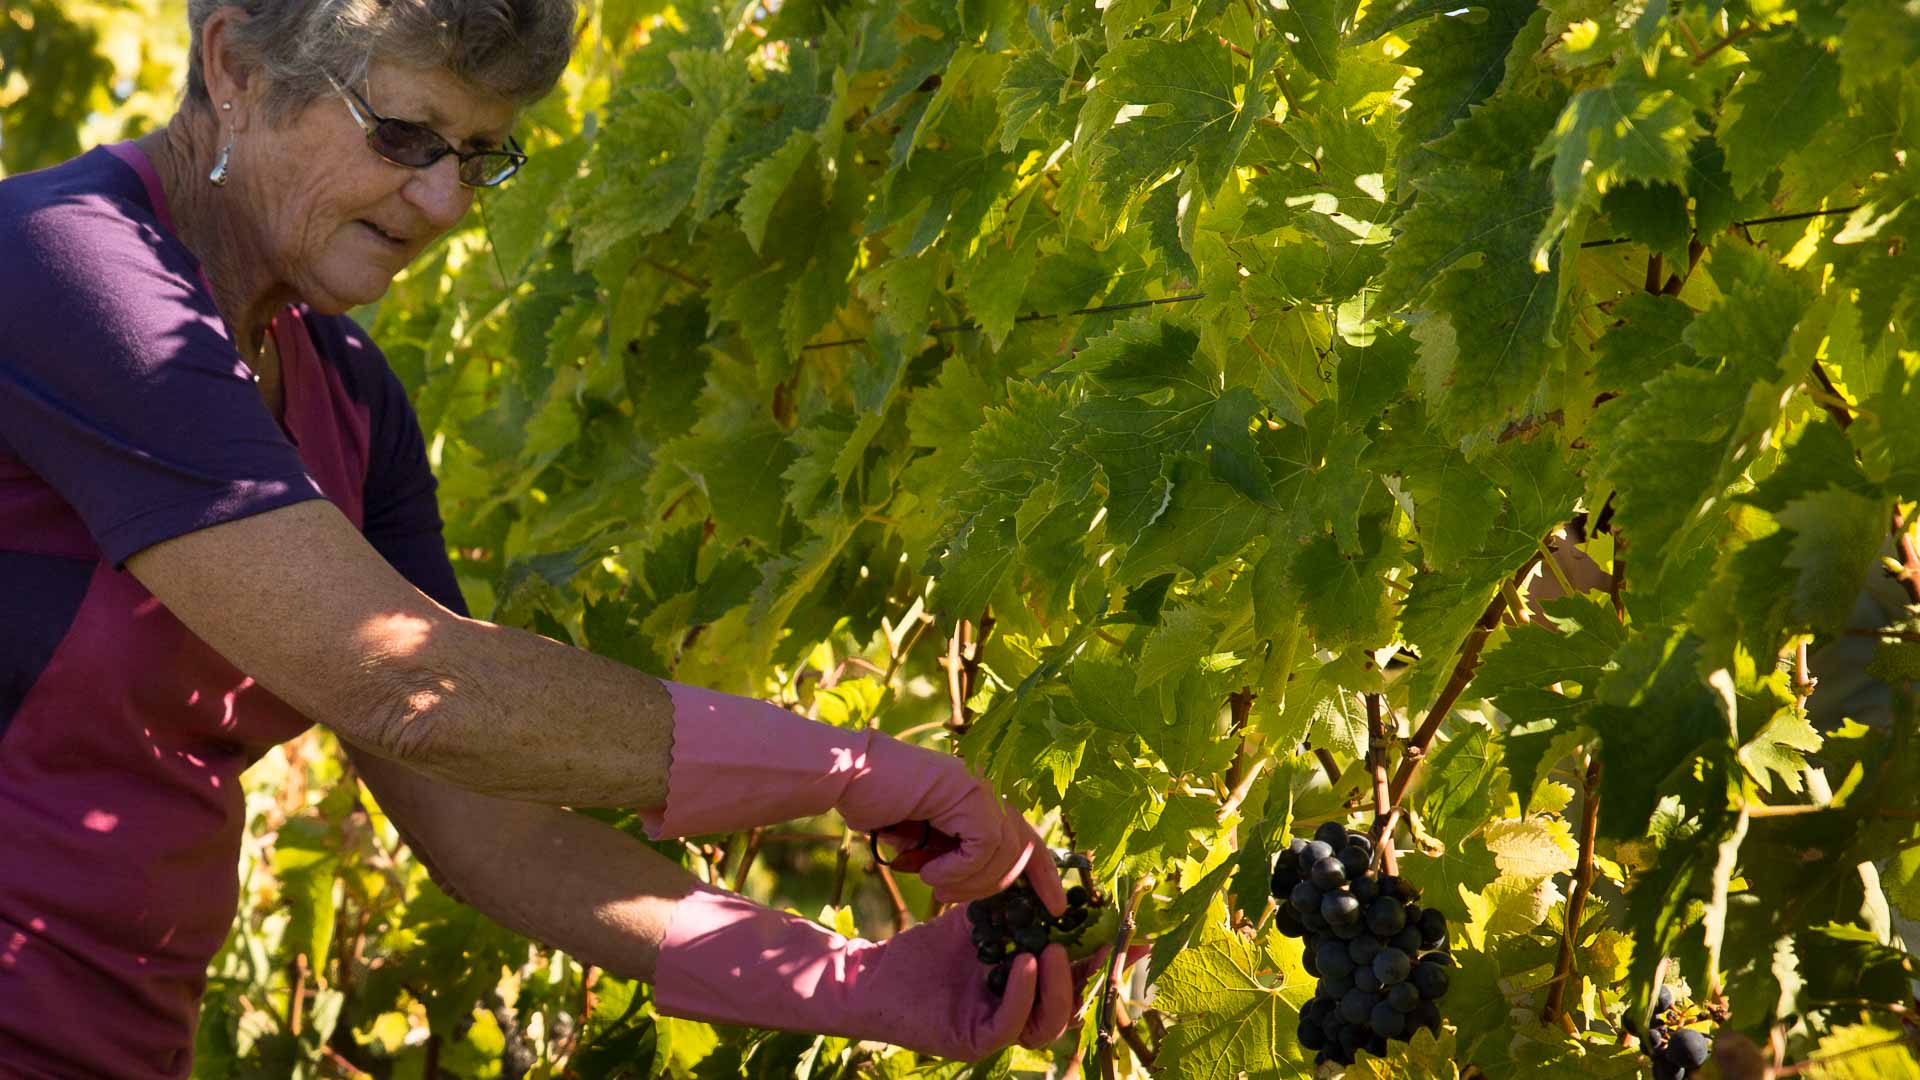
(337,221)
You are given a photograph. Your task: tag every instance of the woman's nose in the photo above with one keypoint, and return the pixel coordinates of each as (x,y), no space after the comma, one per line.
(437,191)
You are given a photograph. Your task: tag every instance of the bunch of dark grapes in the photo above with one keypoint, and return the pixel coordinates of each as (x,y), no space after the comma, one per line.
(1014,921)
(1380,957)
(1677,1052)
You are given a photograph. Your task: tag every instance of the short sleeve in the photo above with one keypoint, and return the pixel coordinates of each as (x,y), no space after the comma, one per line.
(119,385)
(402,511)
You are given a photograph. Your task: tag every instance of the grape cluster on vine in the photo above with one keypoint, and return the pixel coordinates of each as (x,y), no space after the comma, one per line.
(1677,1052)
(1014,921)
(1380,958)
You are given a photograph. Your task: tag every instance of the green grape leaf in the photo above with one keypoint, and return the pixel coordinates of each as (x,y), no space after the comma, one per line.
(1788,92)
(1313,29)
(1181,107)
(1233,999)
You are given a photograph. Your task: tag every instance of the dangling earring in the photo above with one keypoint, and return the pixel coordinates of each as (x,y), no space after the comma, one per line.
(219,174)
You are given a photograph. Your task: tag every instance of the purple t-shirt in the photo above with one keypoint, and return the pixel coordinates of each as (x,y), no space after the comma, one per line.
(127,418)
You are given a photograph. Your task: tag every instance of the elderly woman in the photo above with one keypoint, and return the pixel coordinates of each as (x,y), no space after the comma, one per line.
(217,526)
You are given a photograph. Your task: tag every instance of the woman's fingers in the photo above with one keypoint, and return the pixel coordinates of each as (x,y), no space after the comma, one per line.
(996,848)
(1014,1016)
(986,862)
(1053,1000)
(1042,874)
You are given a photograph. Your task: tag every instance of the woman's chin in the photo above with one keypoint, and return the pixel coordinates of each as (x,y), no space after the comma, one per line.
(337,297)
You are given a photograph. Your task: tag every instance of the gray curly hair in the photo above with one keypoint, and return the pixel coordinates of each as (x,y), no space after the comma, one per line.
(514,48)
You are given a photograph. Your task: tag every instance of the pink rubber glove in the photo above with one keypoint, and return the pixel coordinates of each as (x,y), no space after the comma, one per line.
(727,959)
(738,763)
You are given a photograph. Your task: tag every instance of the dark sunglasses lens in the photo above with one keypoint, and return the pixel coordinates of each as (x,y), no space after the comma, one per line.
(486,170)
(405,143)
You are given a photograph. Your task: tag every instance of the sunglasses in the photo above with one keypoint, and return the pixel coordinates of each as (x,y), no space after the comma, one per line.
(406,143)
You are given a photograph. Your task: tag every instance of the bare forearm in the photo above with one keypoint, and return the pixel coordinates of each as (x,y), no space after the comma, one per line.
(511,714)
(298,600)
(574,884)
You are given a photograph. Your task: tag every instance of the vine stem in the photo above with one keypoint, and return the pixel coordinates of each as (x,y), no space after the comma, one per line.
(901,918)
(1240,706)
(1830,398)
(1463,669)
(1803,680)
(1385,813)
(1750,28)
(1582,888)
(747,855)
(1116,967)
(1909,557)
(964,650)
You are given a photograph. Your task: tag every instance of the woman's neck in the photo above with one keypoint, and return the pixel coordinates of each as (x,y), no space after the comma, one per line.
(213,223)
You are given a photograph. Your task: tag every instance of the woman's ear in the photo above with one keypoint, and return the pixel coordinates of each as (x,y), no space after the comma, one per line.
(229,77)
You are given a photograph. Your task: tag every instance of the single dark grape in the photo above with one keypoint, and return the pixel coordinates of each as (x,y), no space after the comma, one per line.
(1018,912)
(985,935)
(1365,888)
(1285,877)
(1305,898)
(1657,1040)
(1364,949)
(1362,841)
(1365,979)
(1663,1000)
(1331,833)
(1441,957)
(1390,886)
(1339,909)
(1388,1021)
(1385,916)
(997,978)
(1426,1015)
(1392,966)
(1313,853)
(1075,918)
(1078,896)
(1433,927)
(1327,874)
(1287,921)
(1354,861)
(1689,1049)
(1332,959)
(1431,979)
(1403,996)
(991,954)
(980,912)
(1031,939)
(1340,984)
(1310,959)
(1407,940)
(1356,1006)
(1311,1035)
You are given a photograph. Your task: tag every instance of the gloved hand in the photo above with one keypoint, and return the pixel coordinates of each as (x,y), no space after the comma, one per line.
(727,959)
(738,763)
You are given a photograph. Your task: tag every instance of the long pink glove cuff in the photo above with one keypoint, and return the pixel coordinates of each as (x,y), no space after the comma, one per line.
(738,762)
(729,960)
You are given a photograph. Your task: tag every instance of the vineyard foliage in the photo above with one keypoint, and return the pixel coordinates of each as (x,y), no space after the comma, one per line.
(1134,395)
